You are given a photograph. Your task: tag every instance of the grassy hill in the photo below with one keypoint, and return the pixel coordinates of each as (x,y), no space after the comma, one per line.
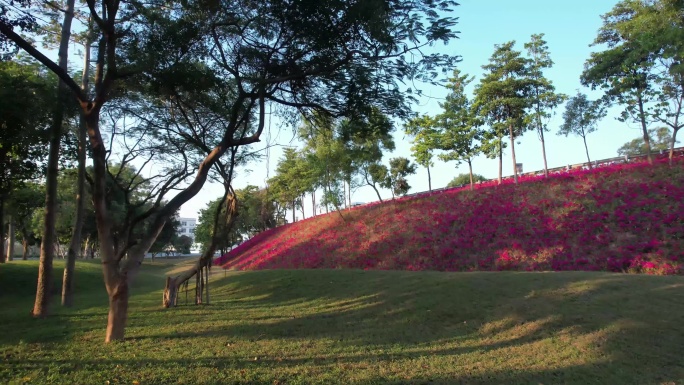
(354,327)
(619,218)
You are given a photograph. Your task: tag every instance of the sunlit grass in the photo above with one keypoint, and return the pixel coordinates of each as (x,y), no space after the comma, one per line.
(354,327)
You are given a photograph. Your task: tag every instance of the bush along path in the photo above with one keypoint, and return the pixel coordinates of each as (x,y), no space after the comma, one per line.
(619,218)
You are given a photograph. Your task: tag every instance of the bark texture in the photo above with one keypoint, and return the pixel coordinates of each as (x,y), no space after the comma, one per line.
(3,255)
(41,306)
(515,163)
(75,244)
(10,239)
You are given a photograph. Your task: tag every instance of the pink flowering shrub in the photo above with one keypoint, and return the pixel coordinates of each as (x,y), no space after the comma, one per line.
(621,218)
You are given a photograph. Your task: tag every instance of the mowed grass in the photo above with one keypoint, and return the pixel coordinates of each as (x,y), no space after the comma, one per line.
(354,327)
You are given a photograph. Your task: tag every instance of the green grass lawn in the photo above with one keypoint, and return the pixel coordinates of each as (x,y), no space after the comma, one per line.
(354,327)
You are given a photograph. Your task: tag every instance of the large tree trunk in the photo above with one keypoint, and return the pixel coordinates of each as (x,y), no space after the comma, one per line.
(303,215)
(3,256)
(644,129)
(470,168)
(118,309)
(515,164)
(541,135)
(206,281)
(41,306)
(429,179)
(75,244)
(10,240)
(344,194)
(586,148)
(500,159)
(672,143)
(199,281)
(24,249)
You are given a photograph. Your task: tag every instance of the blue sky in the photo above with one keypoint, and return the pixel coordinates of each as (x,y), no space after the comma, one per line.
(569,28)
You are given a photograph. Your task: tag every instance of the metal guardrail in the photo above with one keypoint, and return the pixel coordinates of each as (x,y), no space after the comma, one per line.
(678,152)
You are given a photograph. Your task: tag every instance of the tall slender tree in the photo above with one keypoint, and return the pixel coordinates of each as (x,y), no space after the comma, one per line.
(423,129)
(459,132)
(503,95)
(581,118)
(624,69)
(79,217)
(544,98)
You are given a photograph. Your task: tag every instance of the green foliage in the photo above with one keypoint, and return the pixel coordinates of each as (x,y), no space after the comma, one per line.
(256,212)
(503,96)
(396,181)
(660,138)
(28,99)
(182,244)
(653,32)
(464,179)
(459,133)
(623,69)
(544,99)
(581,116)
(425,138)
(25,203)
(168,237)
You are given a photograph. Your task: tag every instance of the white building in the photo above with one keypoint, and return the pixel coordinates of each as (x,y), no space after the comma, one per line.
(187,227)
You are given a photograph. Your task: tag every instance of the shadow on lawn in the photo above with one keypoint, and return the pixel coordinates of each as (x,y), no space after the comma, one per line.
(629,326)
(630,335)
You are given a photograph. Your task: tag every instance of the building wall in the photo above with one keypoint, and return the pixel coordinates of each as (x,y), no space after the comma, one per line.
(187,227)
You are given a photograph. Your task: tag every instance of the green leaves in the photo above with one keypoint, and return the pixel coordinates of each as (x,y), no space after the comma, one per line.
(581,116)
(28,99)
(503,95)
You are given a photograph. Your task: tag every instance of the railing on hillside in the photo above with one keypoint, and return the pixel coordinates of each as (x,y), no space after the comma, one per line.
(678,152)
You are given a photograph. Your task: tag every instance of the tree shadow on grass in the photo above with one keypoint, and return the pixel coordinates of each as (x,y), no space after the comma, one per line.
(537,327)
(628,327)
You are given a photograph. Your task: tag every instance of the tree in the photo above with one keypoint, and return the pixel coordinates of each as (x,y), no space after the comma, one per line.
(366,137)
(396,181)
(10,20)
(657,30)
(325,55)
(25,203)
(581,118)
(424,133)
(79,216)
(544,99)
(464,179)
(183,244)
(41,306)
(375,174)
(23,123)
(167,238)
(503,96)
(660,139)
(624,69)
(287,184)
(458,125)
(327,157)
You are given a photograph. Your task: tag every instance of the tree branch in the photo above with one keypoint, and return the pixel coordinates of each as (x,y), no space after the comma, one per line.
(62,74)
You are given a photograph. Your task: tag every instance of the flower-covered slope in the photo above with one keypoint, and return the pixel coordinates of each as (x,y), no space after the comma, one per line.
(626,217)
